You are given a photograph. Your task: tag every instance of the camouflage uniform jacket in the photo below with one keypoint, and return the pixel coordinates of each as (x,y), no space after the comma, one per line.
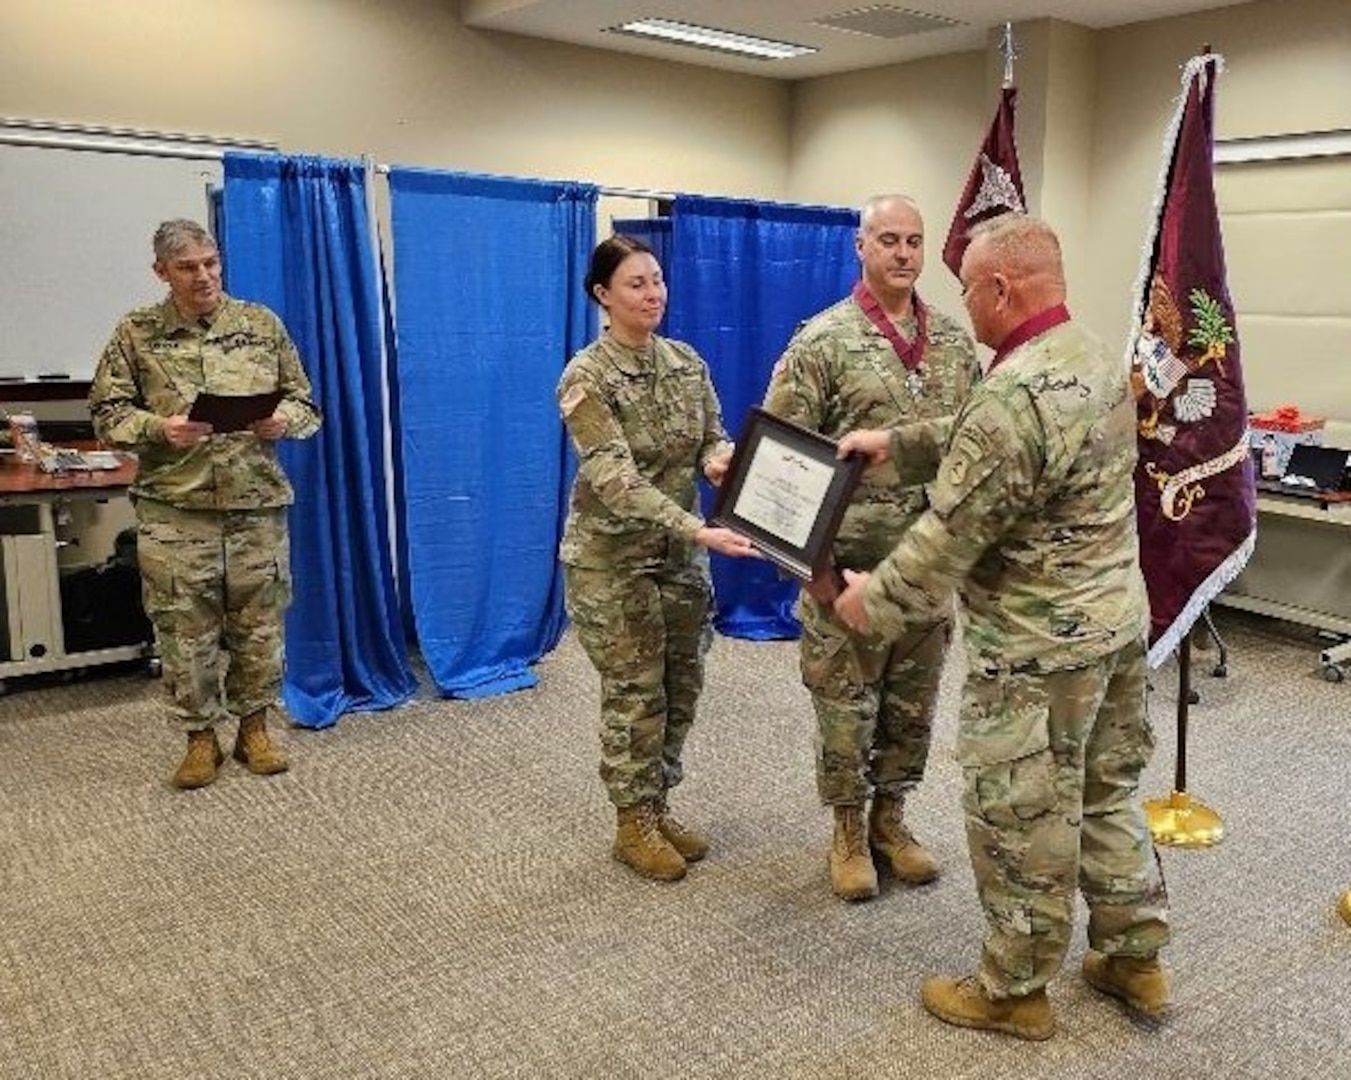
(154,367)
(1032,516)
(644,423)
(839,374)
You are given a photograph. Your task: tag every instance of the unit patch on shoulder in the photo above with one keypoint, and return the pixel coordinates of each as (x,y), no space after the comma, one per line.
(588,419)
(575,396)
(964,460)
(965,468)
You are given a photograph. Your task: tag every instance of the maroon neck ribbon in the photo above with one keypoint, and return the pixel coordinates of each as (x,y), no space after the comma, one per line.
(910,352)
(1026,331)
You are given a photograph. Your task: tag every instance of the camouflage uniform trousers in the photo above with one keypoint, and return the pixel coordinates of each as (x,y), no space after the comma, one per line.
(874,705)
(647,633)
(1052,766)
(215,584)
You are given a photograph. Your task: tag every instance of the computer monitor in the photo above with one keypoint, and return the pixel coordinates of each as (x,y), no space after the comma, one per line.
(1326,466)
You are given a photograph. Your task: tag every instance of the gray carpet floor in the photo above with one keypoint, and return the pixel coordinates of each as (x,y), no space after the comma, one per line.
(429,893)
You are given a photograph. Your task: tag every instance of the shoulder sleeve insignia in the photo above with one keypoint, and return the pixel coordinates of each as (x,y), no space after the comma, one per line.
(572,398)
(957,471)
(588,418)
(965,469)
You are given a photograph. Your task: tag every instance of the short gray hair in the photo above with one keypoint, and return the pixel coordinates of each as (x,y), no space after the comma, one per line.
(176,235)
(1021,245)
(870,208)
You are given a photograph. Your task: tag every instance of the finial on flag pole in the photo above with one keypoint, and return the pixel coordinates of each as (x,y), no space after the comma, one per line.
(1011,54)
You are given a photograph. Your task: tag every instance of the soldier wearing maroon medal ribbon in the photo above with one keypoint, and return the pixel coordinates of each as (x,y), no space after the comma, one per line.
(881,357)
(1032,521)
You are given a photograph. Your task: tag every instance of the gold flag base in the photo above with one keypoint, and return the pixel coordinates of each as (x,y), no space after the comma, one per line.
(1344,906)
(1181,821)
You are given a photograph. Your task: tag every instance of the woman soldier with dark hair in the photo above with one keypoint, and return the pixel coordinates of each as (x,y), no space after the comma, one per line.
(645,420)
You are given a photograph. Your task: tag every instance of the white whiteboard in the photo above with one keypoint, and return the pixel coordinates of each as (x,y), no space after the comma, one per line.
(75,254)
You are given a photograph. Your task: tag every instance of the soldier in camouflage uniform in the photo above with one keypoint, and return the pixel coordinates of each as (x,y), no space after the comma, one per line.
(210,508)
(874,701)
(1032,519)
(643,416)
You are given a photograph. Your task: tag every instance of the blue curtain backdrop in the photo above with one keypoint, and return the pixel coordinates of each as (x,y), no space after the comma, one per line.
(296,237)
(742,276)
(655,232)
(489,307)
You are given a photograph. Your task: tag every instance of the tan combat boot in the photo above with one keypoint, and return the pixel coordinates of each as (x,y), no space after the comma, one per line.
(255,748)
(852,874)
(200,762)
(1138,981)
(640,845)
(889,837)
(692,845)
(963,1002)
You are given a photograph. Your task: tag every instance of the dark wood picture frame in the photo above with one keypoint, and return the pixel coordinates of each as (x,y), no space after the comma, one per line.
(763,432)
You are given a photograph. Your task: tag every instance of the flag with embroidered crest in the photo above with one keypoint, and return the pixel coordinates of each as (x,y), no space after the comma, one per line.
(994,186)
(1194,482)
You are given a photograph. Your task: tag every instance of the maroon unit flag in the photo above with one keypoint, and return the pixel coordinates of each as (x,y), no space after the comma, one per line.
(1194,484)
(995,185)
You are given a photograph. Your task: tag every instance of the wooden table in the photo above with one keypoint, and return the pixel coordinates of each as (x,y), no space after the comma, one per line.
(32,631)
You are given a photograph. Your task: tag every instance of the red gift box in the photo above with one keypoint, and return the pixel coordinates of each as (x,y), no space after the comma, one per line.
(1276,434)
(1286,418)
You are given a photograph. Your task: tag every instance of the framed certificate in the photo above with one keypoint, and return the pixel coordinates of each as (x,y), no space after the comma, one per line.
(786,492)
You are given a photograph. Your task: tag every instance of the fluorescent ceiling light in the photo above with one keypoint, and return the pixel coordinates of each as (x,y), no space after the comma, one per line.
(705,37)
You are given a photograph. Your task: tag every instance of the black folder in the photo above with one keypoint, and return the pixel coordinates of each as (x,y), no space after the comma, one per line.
(233,412)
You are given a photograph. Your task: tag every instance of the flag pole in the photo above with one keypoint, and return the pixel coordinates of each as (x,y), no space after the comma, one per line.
(1010,54)
(1180,820)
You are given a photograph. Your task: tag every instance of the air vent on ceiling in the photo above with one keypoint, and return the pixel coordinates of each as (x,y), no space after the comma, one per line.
(885,21)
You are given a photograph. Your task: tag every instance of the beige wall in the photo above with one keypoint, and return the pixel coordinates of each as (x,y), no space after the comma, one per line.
(1092,111)
(404,81)
(1065,188)
(1287,236)
(912,128)
(1288,71)
(400,79)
